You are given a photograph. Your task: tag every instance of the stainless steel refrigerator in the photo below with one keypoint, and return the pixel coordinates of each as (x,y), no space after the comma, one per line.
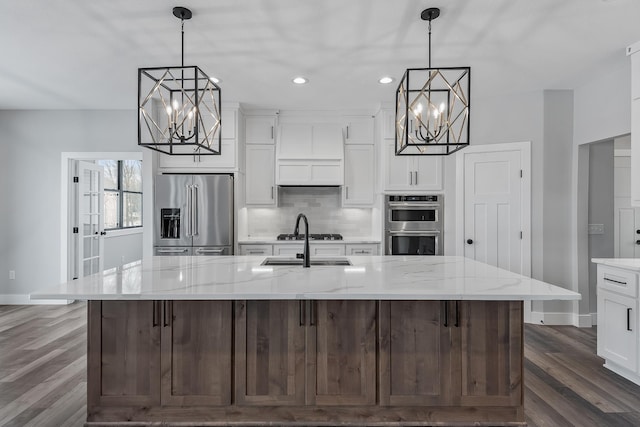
(193,215)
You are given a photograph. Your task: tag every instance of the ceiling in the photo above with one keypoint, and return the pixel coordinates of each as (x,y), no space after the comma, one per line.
(79,54)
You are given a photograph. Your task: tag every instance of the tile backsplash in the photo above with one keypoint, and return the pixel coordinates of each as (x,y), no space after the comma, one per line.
(321,205)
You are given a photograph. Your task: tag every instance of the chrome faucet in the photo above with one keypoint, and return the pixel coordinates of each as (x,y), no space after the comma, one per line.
(305,255)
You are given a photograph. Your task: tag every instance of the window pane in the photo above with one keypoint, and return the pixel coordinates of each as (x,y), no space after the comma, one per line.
(110,173)
(132,210)
(132,175)
(111,201)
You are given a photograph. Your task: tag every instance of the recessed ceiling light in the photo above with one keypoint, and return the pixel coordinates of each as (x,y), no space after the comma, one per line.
(386,80)
(215,80)
(300,80)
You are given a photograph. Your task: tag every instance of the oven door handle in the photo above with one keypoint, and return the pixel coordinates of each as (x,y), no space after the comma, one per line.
(412,205)
(414,233)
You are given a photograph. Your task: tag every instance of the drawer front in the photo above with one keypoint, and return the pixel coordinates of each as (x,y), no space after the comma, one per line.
(256,250)
(618,280)
(360,249)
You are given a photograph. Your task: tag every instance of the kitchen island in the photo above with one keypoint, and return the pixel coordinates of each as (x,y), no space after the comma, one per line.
(384,341)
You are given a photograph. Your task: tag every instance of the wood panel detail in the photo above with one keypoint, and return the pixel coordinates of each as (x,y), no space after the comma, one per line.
(492,348)
(417,363)
(124,354)
(196,353)
(270,353)
(341,353)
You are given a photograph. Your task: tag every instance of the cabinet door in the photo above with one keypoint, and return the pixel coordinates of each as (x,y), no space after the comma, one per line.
(617,328)
(270,354)
(399,169)
(417,361)
(427,172)
(226,159)
(260,129)
(359,130)
(341,353)
(288,249)
(123,362)
(359,175)
(491,352)
(388,124)
(229,120)
(196,353)
(260,178)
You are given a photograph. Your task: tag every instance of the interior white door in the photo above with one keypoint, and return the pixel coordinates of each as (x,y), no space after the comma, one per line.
(90,215)
(627,218)
(492,208)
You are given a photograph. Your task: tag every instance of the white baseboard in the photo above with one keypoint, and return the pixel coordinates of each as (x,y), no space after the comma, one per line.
(542,318)
(563,319)
(23,299)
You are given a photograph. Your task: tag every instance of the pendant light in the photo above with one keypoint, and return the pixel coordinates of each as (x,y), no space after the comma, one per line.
(179,107)
(432,107)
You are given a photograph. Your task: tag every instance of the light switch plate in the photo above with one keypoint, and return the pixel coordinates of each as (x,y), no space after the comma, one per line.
(596,228)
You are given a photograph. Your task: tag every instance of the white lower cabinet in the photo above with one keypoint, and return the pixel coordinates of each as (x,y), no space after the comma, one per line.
(317,249)
(256,250)
(618,334)
(361,249)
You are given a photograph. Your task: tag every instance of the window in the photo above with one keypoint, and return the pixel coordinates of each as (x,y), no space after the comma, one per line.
(122,193)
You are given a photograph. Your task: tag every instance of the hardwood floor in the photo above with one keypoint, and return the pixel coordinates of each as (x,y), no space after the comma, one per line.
(43,379)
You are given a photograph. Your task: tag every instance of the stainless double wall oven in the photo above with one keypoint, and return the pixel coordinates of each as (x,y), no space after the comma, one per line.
(414,224)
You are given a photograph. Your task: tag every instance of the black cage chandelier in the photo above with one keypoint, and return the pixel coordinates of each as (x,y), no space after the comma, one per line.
(179,107)
(432,107)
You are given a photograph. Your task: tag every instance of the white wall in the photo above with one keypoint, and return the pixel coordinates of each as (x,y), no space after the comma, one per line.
(601,203)
(31,145)
(122,249)
(513,118)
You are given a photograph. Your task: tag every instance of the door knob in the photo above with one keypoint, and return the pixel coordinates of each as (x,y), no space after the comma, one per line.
(637,231)
(469,241)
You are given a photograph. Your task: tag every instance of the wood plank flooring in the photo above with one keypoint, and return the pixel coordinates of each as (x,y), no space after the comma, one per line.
(43,379)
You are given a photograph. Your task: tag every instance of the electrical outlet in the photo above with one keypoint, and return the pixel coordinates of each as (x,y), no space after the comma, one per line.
(12,275)
(596,228)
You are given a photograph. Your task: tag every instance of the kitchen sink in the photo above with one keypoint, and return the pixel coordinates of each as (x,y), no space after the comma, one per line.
(313,261)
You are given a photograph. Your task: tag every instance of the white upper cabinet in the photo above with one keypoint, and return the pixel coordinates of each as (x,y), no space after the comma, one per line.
(260,175)
(226,161)
(359,175)
(388,124)
(260,130)
(358,130)
(411,173)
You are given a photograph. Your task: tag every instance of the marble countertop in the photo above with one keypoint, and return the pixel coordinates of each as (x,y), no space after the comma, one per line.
(370,277)
(626,263)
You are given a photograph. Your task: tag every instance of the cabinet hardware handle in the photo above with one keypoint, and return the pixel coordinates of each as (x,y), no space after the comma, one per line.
(619,282)
(416,179)
(347,190)
(410,178)
(155,320)
(347,131)
(302,312)
(166,315)
(446,314)
(457,324)
(312,313)
(271,132)
(272,192)
(628,319)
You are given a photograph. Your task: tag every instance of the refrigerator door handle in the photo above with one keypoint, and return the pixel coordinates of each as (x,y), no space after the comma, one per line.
(194,210)
(188,213)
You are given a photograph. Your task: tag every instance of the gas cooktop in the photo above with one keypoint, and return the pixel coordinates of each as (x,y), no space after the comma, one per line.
(311,237)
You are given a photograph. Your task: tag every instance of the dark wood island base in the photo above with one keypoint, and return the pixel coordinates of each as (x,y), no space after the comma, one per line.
(301,362)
